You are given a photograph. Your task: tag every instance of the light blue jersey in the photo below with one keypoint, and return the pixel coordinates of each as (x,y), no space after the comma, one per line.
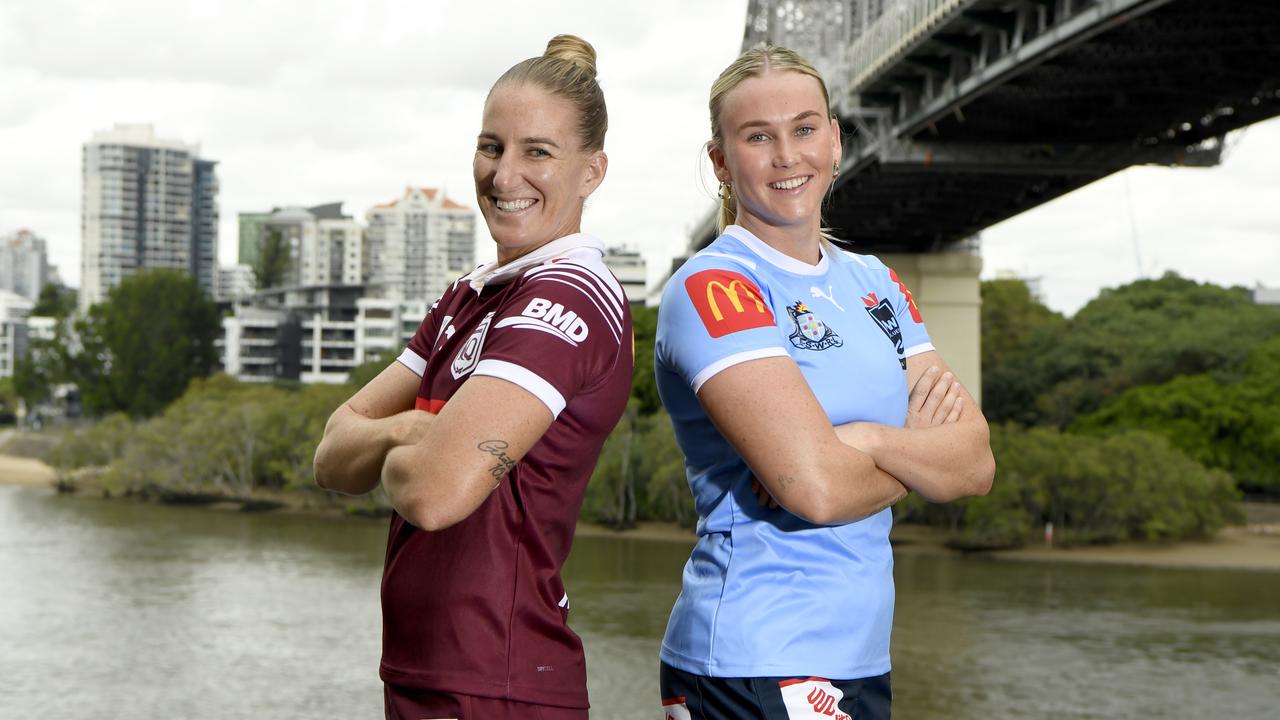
(766,593)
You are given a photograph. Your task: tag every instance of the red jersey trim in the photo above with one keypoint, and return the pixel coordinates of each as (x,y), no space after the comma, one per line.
(797,681)
(432,406)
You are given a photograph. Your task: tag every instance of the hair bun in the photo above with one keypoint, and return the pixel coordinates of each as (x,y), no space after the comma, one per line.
(572,49)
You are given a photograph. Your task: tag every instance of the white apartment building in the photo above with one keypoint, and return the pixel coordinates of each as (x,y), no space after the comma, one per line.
(234,281)
(325,247)
(252,346)
(337,258)
(24,264)
(320,337)
(383,325)
(630,269)
(417,244)
(14,309)
(147,202)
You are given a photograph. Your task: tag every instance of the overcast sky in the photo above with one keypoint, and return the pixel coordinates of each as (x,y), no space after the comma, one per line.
(312,102)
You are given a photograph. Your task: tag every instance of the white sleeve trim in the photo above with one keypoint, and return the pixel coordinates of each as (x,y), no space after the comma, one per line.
(736,359)
(525,378)
(413,361)
(917,349)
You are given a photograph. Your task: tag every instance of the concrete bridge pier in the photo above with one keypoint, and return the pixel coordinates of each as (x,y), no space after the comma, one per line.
(947,290)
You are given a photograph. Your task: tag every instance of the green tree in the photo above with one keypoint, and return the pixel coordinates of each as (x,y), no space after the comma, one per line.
(55,301)
(1128,485)
(1009,315)
(644,386)
(361,374)
(274,259)
(46,363)
(1234,426)
(8,400)
(140,348)
(1146,332)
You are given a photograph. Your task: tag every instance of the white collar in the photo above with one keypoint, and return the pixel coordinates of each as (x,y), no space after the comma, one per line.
(775,257)
(492,273)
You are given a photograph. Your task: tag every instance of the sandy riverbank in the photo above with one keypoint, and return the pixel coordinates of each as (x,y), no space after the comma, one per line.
(25,471)
(1255,546)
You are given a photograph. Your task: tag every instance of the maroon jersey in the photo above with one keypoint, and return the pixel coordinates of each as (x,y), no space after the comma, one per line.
(479,608)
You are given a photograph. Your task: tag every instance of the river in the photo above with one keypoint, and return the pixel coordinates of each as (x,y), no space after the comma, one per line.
(116,609)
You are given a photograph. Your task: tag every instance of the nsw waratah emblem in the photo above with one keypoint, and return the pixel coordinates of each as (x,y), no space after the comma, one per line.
(882,312)
(810,333)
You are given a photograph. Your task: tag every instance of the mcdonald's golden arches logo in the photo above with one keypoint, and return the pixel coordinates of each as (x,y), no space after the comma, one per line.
(727,302)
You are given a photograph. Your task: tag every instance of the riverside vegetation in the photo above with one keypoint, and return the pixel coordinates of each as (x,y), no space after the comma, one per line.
(1143,417)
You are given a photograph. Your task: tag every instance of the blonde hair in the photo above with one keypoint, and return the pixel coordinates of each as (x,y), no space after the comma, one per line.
(754,63)
(568,68)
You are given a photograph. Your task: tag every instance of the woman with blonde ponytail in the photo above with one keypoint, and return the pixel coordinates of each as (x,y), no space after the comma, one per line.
(484,432)
(785,364)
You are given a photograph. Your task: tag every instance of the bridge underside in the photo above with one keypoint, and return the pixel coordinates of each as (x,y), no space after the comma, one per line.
(949,141)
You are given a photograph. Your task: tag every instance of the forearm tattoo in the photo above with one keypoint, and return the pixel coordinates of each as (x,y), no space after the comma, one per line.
(498,449)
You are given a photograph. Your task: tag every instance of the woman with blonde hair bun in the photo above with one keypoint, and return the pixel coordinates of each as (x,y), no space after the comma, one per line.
(785,365)
(484,432)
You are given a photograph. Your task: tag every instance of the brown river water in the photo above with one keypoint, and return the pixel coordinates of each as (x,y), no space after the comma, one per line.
(127,610)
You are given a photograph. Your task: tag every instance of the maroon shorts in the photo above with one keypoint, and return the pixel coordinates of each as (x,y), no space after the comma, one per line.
(405,703)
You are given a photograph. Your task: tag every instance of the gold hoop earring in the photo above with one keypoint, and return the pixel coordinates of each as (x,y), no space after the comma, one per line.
(726,191)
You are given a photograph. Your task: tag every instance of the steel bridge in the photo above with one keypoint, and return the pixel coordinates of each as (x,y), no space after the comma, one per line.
(958,114)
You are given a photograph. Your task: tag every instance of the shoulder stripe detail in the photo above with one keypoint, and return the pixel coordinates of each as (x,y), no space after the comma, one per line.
(521,321)
(711,253)
(525,378)
(614,326)
(602,274)
(413,361)
(917,349)
(588,288)
(588,278)
(736,359)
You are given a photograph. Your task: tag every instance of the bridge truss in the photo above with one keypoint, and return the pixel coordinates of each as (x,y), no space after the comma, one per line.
(958,114)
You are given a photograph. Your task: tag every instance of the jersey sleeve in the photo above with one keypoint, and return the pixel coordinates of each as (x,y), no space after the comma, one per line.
(915,338)
(562,332)
(418,351)
(714,315)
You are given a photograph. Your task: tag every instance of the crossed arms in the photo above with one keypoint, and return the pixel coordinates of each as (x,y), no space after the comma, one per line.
(435,469)
(836,475)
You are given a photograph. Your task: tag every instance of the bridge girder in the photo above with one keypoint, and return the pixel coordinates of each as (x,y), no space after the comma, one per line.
(987,108)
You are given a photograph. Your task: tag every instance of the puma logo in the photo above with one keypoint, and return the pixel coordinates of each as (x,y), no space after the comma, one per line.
(828,295)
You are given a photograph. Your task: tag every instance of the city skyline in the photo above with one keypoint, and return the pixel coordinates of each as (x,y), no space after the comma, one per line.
(312,117)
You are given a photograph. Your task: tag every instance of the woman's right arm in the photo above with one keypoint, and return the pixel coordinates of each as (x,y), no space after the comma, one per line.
(360,433)
(766,410)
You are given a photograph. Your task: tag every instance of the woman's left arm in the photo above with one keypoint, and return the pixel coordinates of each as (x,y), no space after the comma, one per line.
(478,437)
(941,463)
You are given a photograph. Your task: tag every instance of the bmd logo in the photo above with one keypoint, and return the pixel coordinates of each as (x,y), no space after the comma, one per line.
(552,318)
(727,302)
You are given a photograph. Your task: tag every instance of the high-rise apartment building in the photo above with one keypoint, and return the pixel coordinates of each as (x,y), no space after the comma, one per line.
(323,246)
(24,264)
(416,245)
(147,203)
